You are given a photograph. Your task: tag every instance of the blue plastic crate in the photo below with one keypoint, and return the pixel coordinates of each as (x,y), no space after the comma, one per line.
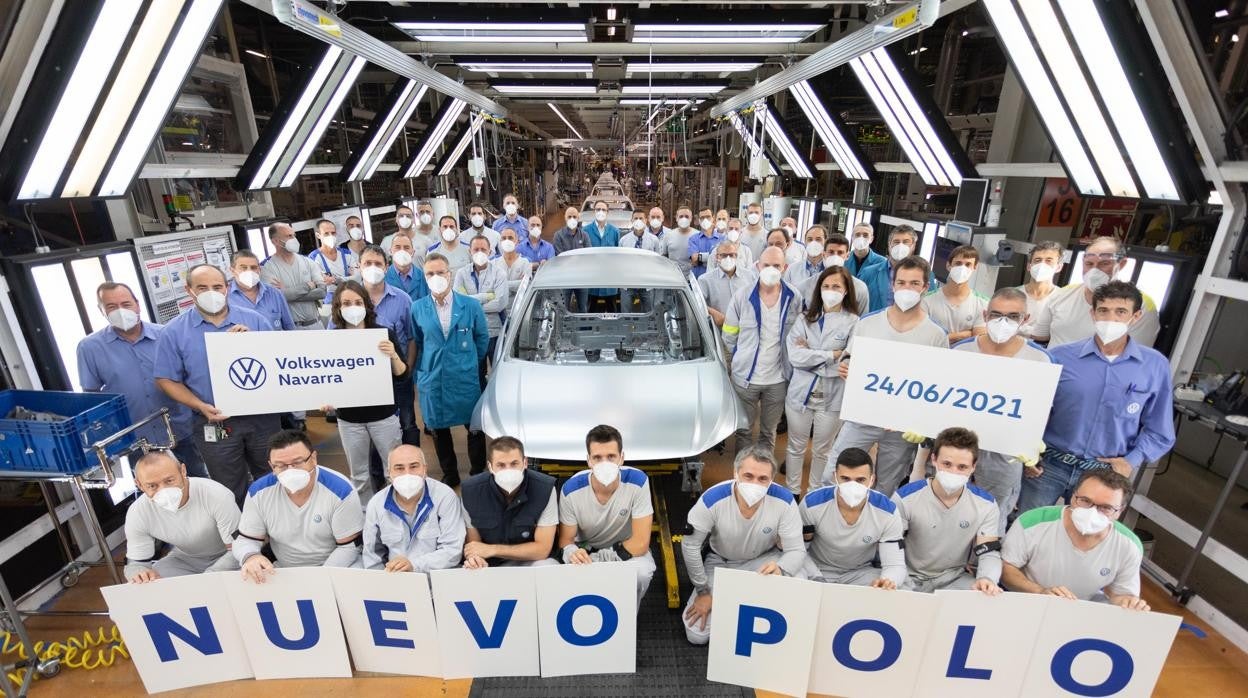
(63,446)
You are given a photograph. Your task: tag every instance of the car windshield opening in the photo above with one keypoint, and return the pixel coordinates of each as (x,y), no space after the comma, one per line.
(661,329)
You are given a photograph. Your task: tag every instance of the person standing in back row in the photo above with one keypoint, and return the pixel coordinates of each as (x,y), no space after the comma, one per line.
(571,237)
(299,279)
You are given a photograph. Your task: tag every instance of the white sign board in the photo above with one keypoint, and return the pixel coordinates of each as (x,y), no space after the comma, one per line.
(388,618)
(762,631)
(180,631)
(487,621)
(270,372)
(907,387)
(587,619)
(290,624)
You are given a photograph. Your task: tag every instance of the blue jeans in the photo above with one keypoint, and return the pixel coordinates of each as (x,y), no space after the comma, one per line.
(1057,480)
(582,299)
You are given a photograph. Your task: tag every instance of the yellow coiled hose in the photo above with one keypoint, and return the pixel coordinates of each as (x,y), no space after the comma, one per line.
(86,652)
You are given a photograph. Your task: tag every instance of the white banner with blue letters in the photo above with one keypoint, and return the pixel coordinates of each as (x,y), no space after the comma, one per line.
(269,372)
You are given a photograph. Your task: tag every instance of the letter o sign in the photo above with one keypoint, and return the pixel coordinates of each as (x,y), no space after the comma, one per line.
(888,654)
(610,620)
(1121,670)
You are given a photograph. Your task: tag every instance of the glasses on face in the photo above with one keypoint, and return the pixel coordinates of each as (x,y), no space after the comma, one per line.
(1083,502)
(1101,258)
(995,315)
(279,467)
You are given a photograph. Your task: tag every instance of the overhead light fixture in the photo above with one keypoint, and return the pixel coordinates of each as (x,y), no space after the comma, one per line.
(564,119)
(300,121)
(453,156)
(650,102)
(495,32)
(110,74)
(783,140)
(500,66)
(433,138)
(747,137)
(723,33)
(918,126)
(685,88)
(722,65)
(921,49)
(1094,93)
(257,54)
(546,87)
(843,149)
(1222,14)
(388,123)
(611,14)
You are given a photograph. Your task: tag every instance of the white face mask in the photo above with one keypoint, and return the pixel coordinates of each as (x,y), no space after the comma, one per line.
(860,244)
(682,222)
(1110,331)
(639,225)
(606,472)
(852,493)
(899,251)
(753,218)
(211,302)
(833,260)
(1096,279)
(425,219)
(405,222)
(123,319)
(353,314)
(769,276)
(1088,521)
(449,234)
(402,258)
(292,246)
(831,298)
(600,216)
(734,235)
(572,223)
(408,486)
(656,222)
(248,279)
(1002,330)
(168,498)
(706,223)
(751,492)
(372,275)
(906,299)
(960,275)
(814,248)
(509,479)
(1042,271)
(480,259)
(721,225)
(294,479)
(507,246)
(728,263)
(478,220)
(535,231)
(438,284)
(951,482)
(511,209)
(355,233)
(329,240)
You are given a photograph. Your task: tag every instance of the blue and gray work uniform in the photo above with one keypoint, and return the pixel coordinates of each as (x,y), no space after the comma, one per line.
(940,539)
(305,536)
(840,552)
(431,537)
(601,528)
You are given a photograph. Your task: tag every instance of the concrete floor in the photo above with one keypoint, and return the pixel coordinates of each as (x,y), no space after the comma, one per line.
(1196,667)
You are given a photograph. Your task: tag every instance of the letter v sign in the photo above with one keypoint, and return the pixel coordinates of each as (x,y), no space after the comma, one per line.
(494,638)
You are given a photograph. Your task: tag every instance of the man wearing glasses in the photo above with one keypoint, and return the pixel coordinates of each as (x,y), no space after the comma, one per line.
(310,516)
(1080,551)
(1112,407)
(1067,316)
(999,473)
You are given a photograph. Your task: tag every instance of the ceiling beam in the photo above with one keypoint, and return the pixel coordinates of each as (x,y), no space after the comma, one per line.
(453,48)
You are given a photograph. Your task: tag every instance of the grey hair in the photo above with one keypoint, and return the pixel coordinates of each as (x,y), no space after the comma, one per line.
(865,226)
(757,453)
(1010,293)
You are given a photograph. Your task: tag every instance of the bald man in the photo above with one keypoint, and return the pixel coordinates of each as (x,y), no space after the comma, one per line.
(416,523)
(195,515)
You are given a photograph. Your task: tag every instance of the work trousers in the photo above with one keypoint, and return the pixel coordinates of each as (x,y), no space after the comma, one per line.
(893,461)
(444,444)
(358,438)
(801,420)
(763,404)
(240,457)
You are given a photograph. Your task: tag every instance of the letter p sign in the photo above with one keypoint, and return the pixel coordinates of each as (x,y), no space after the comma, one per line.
(758,625)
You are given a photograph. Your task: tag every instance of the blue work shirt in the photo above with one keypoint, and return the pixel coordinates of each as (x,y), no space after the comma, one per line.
(393,312)
(1105,409)
(608,236)
(109,363)
(520,225)
(412,283)
(538,253)
(270,303)
(181,354)
(703,245)
(874,271)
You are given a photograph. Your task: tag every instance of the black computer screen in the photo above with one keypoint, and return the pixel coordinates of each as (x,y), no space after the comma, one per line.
(972,197)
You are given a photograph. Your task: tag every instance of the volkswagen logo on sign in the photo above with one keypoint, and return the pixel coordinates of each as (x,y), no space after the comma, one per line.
(247,373)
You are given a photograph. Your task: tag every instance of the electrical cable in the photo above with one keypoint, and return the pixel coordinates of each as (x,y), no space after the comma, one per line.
(86,652)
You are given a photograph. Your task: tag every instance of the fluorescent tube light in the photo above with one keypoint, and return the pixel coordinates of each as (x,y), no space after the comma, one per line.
(564,119)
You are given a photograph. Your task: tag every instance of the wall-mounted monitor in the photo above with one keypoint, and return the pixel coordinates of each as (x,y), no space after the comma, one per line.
(972,201)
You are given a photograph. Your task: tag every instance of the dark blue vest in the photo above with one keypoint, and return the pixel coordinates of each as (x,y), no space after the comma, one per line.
(500,522)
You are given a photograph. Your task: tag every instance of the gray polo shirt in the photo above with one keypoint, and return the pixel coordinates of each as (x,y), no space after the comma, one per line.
(600,525)
(293,277)
(1039,545)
